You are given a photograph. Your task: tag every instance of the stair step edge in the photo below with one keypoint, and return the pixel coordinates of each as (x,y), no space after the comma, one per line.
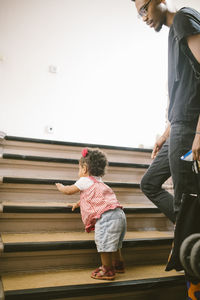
(89,244)
(64,143)
(68,209)
(98,288)
(27,180)
(67,160)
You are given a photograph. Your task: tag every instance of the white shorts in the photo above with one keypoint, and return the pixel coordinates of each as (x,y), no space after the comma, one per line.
(110,230)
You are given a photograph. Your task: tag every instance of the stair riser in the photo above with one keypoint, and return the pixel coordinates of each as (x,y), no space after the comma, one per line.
(49,194)
(47,170)
(74,152)
(29,261)
(143,222)
(173,293)
(72,222)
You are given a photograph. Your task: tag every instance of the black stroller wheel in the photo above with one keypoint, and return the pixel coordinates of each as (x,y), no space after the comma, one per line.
(185,252)
(195,258)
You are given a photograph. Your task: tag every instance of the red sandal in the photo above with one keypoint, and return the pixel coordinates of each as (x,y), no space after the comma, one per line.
(104,273)
(119,267)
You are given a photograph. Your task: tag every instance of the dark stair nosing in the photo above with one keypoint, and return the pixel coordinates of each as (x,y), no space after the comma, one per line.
(68,160)
(63,143)
(39,158)
(96,288)
(20,180)
(68,209)
(89,244)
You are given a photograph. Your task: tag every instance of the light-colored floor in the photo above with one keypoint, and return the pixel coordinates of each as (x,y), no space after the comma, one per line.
(74,277)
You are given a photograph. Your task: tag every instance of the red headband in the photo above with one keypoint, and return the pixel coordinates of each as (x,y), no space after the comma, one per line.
(84,152)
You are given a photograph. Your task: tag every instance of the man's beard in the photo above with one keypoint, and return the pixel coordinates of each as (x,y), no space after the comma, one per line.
(158,28)
(160,25)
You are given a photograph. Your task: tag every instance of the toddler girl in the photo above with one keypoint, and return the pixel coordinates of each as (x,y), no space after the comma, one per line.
(100,210)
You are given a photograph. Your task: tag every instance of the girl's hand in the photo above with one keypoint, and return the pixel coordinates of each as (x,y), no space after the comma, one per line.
(60,187)
(73,205)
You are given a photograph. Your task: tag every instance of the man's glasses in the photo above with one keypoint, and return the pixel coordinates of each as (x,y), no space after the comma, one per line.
(143,12)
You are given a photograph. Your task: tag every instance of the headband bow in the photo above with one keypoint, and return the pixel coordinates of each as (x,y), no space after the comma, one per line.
(84,152)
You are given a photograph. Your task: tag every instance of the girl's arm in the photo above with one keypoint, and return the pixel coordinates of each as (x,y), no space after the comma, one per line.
(67,189)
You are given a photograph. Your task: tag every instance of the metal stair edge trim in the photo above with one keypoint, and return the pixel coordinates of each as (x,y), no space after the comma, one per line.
(100,288)
(27,180)
(67,209)
(52,159)
(82,244)
(75,144)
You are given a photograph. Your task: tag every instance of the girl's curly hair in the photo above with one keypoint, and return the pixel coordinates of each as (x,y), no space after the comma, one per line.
(95,160)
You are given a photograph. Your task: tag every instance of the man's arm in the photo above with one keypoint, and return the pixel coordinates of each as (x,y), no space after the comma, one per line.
(196,143)
(162,139)
(194,45)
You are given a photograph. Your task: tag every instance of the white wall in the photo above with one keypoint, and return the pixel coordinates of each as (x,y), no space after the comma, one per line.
(177,4)
(107,63)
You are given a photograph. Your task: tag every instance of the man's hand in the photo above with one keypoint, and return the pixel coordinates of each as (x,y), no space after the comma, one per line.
(158,146)
(196,147)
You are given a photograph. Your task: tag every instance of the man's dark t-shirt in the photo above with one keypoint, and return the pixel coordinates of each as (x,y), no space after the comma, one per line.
(183,68)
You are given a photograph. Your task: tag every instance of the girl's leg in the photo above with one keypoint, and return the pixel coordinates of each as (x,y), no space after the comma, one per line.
(110,259)
(118,262)
(109,233)
(106,271)
(106,259)
(117,256)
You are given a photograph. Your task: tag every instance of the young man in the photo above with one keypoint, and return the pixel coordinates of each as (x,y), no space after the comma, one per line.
(183,133)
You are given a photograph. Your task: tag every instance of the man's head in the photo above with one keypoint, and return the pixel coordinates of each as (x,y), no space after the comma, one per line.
(153,12)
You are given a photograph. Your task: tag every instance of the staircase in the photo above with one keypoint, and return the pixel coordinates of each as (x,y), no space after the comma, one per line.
(44,251)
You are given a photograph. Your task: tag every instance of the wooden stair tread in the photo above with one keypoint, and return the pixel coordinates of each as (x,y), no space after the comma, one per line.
(19,159)
(69,150)
(48,169)
(66,208)
(75,236)
(61,204)
(53,278)
(19,203)
(60,218)
(50,181)
(36,141)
